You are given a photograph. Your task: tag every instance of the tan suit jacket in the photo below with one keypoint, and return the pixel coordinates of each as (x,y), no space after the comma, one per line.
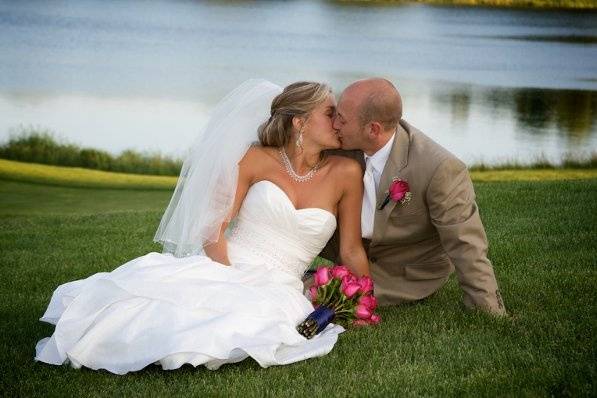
(416,246)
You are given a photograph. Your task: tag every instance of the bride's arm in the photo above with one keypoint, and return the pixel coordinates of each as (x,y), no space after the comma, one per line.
(352,252)
(218,251)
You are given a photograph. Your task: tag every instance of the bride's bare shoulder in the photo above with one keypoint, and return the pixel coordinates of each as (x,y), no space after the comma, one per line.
(258,155)
(345,167)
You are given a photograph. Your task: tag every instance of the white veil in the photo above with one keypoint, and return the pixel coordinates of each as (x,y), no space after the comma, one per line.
(206,187)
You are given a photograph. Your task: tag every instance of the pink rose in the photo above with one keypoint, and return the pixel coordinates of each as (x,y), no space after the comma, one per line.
(350,278)
(375,319)
(313,293)
(366,284)
(340,271)
(349,288)
(398,190)
(322,276)
(362,312)
(369,302)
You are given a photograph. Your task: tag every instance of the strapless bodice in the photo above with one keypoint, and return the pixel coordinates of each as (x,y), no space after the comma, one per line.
(271,231)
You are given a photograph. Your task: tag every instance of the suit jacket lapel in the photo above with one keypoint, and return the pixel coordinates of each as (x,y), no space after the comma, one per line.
(397,160)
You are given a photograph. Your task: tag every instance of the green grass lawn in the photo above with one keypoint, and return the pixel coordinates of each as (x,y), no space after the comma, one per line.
(542,243)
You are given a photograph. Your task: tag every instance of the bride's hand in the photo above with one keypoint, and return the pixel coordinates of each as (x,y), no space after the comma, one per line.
(218,251)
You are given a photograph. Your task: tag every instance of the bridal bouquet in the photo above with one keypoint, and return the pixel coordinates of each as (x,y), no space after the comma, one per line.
(339,296)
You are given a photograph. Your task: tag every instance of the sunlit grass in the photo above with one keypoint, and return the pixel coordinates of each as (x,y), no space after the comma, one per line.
(79,177)
(533,174)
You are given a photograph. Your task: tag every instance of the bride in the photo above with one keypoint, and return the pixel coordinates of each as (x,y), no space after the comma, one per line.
(217,296)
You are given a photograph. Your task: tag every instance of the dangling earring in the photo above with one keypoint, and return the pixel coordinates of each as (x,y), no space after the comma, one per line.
(299,140)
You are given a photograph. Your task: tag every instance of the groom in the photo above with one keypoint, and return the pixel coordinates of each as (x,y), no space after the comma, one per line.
(413,245)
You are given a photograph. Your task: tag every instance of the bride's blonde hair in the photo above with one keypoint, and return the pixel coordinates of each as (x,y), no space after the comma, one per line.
(297,99)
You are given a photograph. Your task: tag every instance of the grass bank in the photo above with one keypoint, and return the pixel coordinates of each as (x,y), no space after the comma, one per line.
(35,145)
(543,4)
(86,178)
(31,145)
(542,244)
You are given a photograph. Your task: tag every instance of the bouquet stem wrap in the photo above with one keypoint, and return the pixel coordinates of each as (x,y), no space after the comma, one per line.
(316,321)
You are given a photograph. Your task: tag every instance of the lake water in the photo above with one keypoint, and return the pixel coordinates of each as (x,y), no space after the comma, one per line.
(491,85)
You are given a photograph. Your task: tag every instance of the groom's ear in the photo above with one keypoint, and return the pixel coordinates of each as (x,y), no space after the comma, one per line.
(375,130)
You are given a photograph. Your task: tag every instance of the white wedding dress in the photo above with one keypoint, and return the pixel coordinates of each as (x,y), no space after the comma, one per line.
(167,310)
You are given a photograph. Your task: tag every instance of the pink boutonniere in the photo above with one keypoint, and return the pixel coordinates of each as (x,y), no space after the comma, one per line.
(399,192)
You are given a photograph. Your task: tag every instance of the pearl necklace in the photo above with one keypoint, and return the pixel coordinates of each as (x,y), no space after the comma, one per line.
(292,173)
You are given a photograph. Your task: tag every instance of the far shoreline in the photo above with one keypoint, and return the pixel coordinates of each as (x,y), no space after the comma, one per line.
(551,5)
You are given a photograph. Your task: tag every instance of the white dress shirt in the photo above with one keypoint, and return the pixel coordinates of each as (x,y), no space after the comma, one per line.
(374,168)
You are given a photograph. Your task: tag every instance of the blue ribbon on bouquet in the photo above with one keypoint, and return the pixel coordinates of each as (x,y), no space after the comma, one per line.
(322,316)
(316,321)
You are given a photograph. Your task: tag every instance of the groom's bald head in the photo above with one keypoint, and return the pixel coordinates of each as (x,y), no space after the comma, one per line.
(376,100)
(368,113)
